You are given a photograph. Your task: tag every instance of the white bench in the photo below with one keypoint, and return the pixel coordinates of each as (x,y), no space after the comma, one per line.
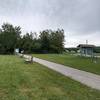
(29,59)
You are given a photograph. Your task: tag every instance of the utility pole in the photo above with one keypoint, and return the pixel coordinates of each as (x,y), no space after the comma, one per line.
(86,41)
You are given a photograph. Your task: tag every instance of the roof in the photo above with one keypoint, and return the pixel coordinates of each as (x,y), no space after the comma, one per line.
(86,45)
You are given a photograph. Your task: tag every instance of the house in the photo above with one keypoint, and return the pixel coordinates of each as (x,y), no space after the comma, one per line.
(86,49)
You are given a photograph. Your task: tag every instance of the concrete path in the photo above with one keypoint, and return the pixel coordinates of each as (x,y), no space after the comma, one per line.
(87,78)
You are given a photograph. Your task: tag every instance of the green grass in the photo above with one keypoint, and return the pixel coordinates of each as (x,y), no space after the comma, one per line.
(97,54)
(21,81)
(78,62)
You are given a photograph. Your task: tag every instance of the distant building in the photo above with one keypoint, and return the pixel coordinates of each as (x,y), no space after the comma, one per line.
(86,49)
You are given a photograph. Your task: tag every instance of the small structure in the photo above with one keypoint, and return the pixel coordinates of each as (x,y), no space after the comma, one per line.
(16,51)
(86,49)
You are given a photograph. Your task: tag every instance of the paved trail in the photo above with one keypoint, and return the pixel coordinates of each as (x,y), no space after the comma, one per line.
(89,79)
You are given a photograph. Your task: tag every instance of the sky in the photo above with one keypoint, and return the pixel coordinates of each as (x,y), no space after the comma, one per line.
(80,19)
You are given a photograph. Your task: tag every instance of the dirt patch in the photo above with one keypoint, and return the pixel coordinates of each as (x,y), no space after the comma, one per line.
(3,93)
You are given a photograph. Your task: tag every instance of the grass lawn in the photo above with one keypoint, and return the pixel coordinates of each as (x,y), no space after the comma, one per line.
(97,54)
(21,81)
(78,62)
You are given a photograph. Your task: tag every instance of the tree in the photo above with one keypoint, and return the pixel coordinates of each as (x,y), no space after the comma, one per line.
(9,36)
(27,43)
(96,49)
(45,41)
(57,41)
(52,41)
(48,41)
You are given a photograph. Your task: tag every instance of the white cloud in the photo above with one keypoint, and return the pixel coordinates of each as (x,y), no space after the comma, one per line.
(78,17)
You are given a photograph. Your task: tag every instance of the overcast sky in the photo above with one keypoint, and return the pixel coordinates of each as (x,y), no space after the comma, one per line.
(79,18)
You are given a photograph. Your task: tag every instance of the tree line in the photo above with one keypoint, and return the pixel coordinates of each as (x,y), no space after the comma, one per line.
(96,49)
(46,41)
